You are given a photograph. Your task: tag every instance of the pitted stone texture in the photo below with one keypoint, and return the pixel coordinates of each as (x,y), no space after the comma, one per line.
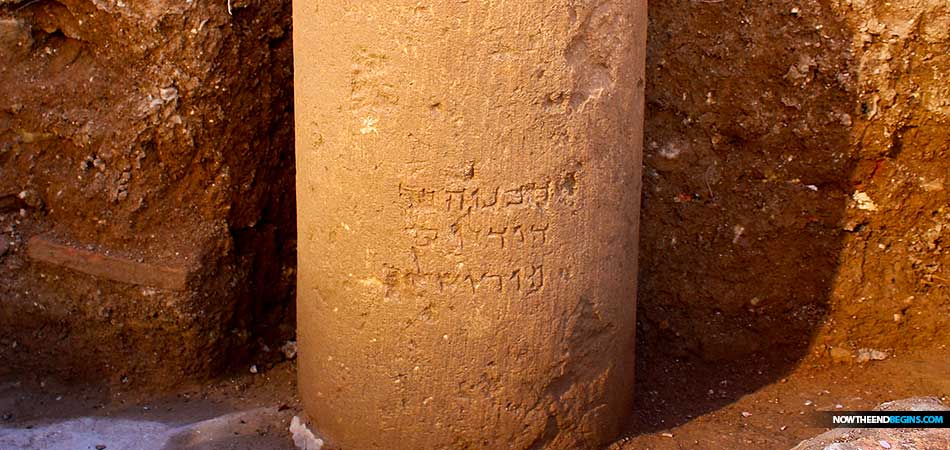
(468,192)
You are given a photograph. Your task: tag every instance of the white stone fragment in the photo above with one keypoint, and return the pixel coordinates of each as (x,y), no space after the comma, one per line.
(863,201)
(304,439)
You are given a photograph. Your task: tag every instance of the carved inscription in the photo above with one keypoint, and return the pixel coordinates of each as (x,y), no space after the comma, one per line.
(497,237)
(422,235)
(519,280)
(453,228)
(467,199)
(469,217)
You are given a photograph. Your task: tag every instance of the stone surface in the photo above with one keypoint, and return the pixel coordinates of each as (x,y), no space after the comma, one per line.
(468,192)
(227,431)
(886,438)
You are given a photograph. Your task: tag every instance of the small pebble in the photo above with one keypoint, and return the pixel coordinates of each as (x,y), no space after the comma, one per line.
(254,368)
(746,414)
(870,354)
(668,435)
(808,403)
(289,349)
(100,447)
(884,444)
(168,94)
(31,198)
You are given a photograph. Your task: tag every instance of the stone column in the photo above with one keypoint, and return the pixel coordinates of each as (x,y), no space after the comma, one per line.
(468,188)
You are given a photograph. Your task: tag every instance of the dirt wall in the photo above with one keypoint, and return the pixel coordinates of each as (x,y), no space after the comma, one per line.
(146,196)
(795,183)
(795,189)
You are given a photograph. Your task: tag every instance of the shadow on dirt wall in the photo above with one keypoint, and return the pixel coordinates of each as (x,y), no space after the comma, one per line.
(746,180)
(748,155)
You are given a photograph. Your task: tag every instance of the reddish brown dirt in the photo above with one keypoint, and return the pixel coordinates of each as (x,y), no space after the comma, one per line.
(777,416)
(764,119)
(765,122)
(154,136)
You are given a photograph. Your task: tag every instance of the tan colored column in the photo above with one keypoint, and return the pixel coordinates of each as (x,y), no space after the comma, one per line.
(468,188)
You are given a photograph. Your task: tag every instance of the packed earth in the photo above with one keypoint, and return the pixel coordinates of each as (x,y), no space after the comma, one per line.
(794,233)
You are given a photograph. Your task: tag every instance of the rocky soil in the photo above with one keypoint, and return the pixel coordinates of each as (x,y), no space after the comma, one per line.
(796,203)
(146,186)
(794,225)
(253,411)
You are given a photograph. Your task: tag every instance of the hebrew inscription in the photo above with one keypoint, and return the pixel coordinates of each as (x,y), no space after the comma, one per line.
(467,199)
(475,238)
(518,235)
(520,280)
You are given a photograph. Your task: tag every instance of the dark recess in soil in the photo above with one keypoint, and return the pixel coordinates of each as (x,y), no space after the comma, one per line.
(764,120)
(756,259)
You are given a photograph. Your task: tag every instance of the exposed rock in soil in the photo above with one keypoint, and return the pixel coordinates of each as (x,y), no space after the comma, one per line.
(136,139)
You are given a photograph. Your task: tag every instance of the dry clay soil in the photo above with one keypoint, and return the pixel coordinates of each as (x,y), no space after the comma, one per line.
(764,273)
(778,416)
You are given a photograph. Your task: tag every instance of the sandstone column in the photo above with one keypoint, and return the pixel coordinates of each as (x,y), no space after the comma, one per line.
(468,186)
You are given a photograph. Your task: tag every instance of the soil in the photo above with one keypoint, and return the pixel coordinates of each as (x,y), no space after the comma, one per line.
(135,141)
(795,209)
(37,401)
(795,204)
(668,415)
(726,407)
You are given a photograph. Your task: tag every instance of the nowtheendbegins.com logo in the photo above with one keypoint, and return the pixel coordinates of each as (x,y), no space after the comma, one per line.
(885,419)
